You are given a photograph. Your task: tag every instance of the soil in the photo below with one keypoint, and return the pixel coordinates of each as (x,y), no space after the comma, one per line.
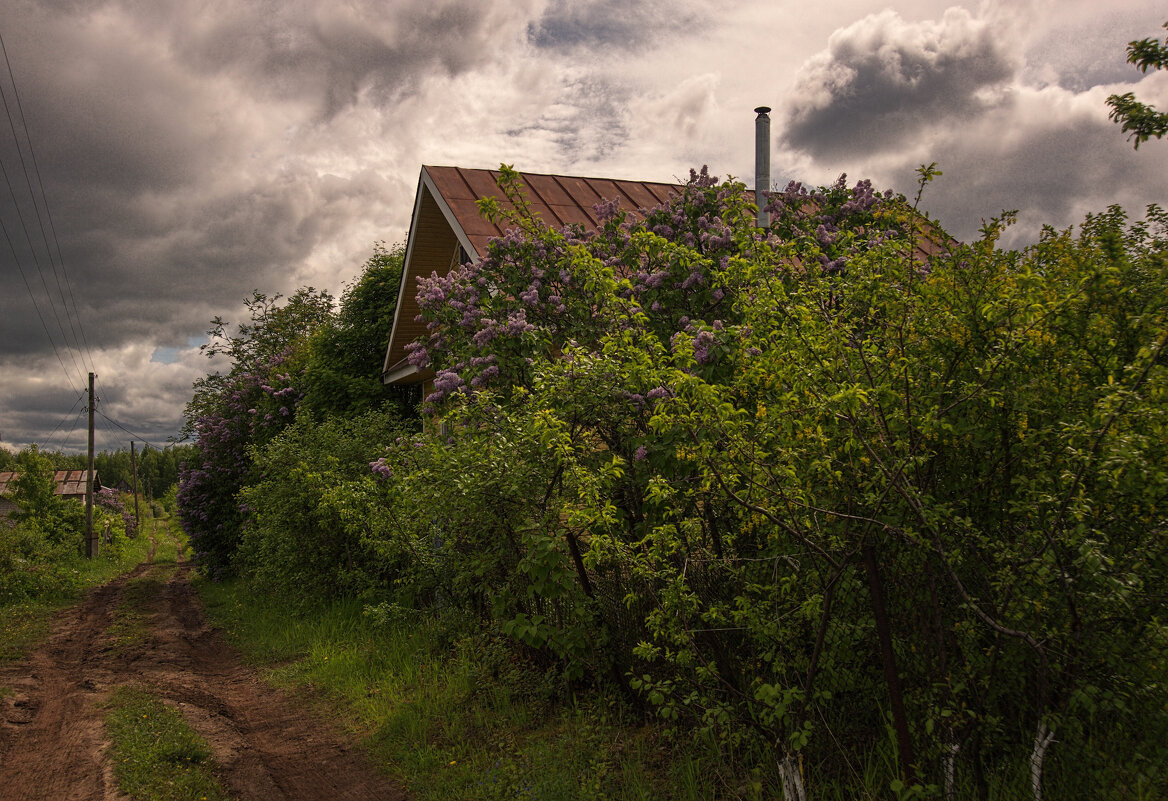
(267,745)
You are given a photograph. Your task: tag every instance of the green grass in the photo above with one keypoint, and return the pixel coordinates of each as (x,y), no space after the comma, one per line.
(169,537)
(24,622)
(156,755)
(452,715)
(130,625)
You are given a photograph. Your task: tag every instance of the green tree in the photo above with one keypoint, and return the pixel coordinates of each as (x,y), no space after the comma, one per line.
(1142,121)
(34,492)
(805,487)
(343,374)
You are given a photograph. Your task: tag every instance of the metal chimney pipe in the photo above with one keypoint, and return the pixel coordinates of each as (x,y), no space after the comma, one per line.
(762,162)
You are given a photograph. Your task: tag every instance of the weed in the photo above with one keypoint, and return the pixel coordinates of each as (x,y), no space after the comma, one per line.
(156,755)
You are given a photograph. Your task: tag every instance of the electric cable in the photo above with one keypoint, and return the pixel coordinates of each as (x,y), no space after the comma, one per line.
(35,305)
(128,431)
(57,427)
(40,272)
(45,201)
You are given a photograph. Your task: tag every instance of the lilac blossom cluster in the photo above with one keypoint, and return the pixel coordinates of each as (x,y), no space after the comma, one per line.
(657,272)
(255,404)
(844,219)
(111,499)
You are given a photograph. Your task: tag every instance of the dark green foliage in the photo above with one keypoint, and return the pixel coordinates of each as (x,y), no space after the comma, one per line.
(312,508)
(43,539)
(157,468)
(805,495)
(33,492)
(343,374)
(297,355)
(1143,121)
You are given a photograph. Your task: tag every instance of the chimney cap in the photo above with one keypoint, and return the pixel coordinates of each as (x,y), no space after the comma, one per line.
(762,110)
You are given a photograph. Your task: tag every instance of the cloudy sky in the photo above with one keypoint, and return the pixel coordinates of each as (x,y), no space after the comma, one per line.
(191,152)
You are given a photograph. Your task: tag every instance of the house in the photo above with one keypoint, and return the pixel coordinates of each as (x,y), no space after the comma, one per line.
(447,230)
(69,484)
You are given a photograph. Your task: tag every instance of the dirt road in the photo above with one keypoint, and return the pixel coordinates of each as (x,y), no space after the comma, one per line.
(52,740)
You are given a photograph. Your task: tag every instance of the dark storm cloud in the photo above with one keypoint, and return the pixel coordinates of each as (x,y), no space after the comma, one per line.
(187,160)
(163,215)
(570,24)
(883,79)
(332,54)
(1061,160)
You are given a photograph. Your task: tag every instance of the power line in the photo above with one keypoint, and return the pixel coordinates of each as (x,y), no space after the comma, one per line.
(45,202)
(32,248)
(63,419)
(128,431)
(68,435)
(75,418)
(35,305)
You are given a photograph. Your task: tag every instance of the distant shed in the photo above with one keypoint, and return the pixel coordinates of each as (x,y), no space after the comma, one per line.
(69,484)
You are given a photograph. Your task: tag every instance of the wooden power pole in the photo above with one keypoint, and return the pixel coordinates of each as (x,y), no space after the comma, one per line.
(91,545)
(134,473)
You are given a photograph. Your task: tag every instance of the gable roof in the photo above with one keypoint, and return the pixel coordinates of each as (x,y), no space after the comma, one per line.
(69,483)
(447,230)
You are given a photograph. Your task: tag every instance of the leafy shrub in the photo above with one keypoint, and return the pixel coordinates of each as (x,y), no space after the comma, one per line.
(309,513)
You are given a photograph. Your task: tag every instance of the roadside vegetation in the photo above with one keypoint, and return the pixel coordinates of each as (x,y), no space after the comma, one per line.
(156,756)
(835,508)
(42,568)
(451,713)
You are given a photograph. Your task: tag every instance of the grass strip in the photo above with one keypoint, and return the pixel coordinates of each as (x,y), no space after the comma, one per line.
(453,715)
(156,755)
(130,625)
(25,622)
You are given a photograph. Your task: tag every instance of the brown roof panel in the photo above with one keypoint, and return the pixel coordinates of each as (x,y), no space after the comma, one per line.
(570,215)
(450,183)
(479,241)
(640,195)
(558,200)
(661,191)
(482,182)
(467,214)
(548,189)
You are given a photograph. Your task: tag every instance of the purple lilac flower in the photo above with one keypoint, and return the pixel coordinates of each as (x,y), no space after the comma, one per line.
(701,346)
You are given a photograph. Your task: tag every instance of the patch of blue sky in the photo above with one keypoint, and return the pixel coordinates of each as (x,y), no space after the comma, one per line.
(165,354)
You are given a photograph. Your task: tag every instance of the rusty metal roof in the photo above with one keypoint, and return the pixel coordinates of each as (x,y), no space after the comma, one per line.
(558,200)
(69,483)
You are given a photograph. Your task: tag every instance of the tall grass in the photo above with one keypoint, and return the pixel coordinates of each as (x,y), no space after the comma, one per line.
(453,714)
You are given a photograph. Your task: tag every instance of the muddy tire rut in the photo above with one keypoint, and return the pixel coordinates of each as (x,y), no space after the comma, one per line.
(267,746)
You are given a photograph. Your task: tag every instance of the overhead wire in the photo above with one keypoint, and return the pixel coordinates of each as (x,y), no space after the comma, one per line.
(35,305)
(136,435)
(76,420)
(36,260)
(70,415)
(57,427)
(48,212)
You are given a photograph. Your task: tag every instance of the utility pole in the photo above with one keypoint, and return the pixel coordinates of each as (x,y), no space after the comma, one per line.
(91,545)
(134,472)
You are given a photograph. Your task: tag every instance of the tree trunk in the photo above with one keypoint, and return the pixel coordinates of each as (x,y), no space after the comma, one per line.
(949,759)
(792,779)
(888,659)
(1042,740)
